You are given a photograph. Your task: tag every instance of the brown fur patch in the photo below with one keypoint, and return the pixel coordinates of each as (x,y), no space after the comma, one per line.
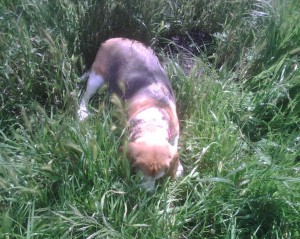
(136,68)
(151,159)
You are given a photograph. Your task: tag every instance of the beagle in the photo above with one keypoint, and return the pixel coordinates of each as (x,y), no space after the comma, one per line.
(133,72)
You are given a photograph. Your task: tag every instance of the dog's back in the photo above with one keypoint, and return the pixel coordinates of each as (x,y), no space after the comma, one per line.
(133,72)
(129,67)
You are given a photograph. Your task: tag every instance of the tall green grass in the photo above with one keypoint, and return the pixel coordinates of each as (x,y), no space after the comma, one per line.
(238,105)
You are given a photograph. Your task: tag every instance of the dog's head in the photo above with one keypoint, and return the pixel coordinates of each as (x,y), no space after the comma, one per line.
(153,160)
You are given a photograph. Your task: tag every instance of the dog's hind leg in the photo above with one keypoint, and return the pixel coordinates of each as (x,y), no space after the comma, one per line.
(94,83)
(85,76)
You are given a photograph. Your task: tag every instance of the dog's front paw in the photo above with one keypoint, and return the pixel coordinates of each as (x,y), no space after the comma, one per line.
(82,114)
(179,172)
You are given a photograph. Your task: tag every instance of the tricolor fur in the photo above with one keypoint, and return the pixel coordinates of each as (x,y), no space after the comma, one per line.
(133,72)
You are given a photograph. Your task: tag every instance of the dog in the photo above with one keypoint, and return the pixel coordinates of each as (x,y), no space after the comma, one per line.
(133,72)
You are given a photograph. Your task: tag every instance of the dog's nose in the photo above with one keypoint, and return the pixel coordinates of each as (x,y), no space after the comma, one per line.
(148,184)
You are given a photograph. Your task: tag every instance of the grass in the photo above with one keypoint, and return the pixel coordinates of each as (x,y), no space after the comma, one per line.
(238,103)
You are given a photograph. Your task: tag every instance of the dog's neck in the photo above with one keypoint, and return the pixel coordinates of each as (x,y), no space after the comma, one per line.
(151,124)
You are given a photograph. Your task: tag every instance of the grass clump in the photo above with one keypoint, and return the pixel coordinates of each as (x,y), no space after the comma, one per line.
(238,104)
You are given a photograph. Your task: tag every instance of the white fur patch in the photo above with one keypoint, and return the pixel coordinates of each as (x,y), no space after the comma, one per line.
(179,172)
(151,118)
(82,111)
(160,174)
(152,114)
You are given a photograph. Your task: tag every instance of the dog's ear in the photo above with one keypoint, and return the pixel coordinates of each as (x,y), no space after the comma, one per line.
(174,165)
(132,150)
(122,149)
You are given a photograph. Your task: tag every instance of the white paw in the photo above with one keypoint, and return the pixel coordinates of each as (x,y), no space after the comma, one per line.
(82,114)
(179,172)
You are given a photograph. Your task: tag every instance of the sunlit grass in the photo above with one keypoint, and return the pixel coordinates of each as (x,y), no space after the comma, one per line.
(238,108)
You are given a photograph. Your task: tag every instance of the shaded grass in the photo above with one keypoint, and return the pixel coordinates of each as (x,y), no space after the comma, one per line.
(239,124)
(274,65)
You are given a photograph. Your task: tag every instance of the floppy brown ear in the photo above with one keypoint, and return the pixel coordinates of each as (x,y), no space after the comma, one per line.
(122,149)
(132,150)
